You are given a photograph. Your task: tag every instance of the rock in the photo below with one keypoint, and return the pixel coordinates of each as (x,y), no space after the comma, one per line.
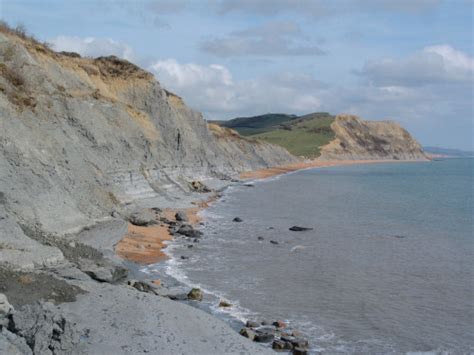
(184,257)
(300,351)
(181,216)
(297,342)
(274,242)
(299,229)
(248,333)
(12,344)
(104,272)
(237,219)
(224,304)
(266,322)
(177,296)
(260,238)
(142,286)
(142,218)
(252,324)
(279,344)
(300,343)
(264,337)
(189,231)
(45,330)
(195,294)
(5,307)
(198,186)
(279,324)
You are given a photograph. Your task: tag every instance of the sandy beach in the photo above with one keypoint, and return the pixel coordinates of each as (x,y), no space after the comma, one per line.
(145,244)
(269,172)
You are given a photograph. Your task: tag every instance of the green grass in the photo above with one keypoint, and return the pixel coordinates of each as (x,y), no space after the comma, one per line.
(304,137)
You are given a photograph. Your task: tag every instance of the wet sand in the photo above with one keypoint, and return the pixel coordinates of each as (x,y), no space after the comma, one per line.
(145,245)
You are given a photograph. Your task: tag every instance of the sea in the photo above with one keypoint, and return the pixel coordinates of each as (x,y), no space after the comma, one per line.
(388,266)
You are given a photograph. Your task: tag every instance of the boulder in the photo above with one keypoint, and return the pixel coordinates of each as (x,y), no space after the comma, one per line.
(279,344)
(237,219)
(248,333)
(142,286)
(300,351)
(104,272)
(142,218)
(260,238)
(252,324)
(181,216)
(189,231)
(198,186)
(5,307)
(264,337)
(279,324)
(195,294)
(224,304)
(274,242)
(299,229)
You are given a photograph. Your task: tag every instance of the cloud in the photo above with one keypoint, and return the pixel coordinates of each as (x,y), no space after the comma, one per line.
(423,109)
(213,90)
(92,47)
(271,39)
(440,64)
(323,8)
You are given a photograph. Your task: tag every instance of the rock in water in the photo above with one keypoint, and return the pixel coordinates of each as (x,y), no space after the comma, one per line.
(237,219)
(300,229)
(195,294)
(279,344)
(248,333)
(224,304)
(189,231)
(252,324)
(274,242)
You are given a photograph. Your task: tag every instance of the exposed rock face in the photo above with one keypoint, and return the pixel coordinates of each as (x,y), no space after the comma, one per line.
(370,140)
(80,135)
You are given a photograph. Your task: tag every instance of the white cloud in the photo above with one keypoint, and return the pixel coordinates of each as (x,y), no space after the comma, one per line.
(440,64)
(212,90)
(270,39)
(92,47)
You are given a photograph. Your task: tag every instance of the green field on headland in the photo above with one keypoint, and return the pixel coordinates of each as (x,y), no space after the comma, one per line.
(300,135)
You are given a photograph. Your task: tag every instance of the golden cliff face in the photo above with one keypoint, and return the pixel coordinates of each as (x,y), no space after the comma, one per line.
(356,139)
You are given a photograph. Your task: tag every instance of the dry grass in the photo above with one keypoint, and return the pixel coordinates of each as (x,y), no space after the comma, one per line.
(12,76)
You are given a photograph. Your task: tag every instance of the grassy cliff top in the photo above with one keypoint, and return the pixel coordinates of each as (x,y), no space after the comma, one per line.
(300,135)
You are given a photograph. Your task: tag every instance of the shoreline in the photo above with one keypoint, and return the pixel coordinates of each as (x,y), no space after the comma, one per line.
(136,245)
(145,245)
(312,164)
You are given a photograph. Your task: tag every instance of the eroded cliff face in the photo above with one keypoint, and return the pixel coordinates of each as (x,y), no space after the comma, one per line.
(356,139)
(79,136)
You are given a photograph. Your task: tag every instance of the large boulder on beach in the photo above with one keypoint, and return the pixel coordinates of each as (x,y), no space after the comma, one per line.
(142,218)
(248,333)
(195,294)
(181,216)
(189,231)
(102,272)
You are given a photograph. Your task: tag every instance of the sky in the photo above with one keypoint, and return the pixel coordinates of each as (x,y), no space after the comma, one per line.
(411,61)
